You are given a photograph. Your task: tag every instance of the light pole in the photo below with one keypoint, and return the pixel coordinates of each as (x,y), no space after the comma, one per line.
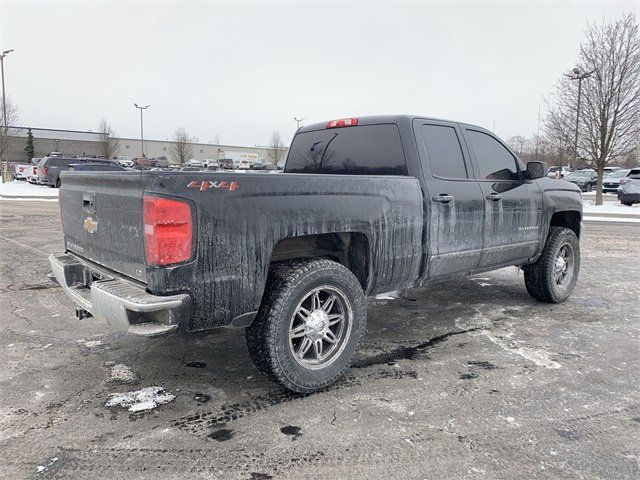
(297,120)
(576,74)
(4,112)
(141,125)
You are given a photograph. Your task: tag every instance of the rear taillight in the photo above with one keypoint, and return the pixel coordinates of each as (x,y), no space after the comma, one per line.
(623,181)
(44,171)
(344,122)
(167,230)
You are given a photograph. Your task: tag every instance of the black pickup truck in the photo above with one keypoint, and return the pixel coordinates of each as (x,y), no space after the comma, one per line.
(364,206)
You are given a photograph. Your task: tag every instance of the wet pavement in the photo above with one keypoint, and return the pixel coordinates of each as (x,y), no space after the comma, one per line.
(465,379)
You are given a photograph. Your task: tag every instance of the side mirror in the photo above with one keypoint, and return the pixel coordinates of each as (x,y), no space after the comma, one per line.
(536,170)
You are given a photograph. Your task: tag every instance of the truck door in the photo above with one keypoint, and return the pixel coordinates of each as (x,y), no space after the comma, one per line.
(512,205)
(454,206)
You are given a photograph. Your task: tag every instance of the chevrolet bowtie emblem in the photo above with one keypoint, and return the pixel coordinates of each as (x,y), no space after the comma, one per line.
(90,225)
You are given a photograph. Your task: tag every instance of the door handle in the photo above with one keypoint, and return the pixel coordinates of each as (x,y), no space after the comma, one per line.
(494,196)
(442,198)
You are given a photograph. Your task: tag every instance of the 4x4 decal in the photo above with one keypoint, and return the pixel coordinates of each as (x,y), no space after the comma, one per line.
(205,184)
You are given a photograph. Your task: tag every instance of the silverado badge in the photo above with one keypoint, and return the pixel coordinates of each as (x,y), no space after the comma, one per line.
(90,225)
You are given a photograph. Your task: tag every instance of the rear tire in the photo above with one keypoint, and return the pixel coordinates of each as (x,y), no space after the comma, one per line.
(309,326)
(553,277)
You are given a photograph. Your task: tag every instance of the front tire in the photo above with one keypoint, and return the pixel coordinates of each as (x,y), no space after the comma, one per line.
(553,276)
(309,326)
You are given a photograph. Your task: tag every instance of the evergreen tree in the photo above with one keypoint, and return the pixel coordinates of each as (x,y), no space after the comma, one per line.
(29,149)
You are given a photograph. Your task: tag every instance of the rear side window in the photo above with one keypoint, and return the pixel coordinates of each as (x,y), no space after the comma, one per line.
(494,160)
(443,151)
(363,150)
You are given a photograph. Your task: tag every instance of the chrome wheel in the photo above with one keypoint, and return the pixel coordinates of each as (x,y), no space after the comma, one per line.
(563,266)
(319,327)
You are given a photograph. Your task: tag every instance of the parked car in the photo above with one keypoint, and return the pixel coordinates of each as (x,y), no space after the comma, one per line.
(610,170)
(124,161)
(32,176)
(192,162)
(97,167)
(209,162)
(49,168)
(21,170)
(585,179)
(226,163)
(558,172)
(629,191)
(364,206)
(611,182)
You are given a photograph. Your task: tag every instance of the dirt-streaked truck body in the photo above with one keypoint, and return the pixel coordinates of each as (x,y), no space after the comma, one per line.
(376,203)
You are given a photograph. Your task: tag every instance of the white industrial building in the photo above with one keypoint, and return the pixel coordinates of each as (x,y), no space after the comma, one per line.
(75,142)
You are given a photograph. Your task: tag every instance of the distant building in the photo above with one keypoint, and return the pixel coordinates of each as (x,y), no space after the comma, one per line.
(75,142)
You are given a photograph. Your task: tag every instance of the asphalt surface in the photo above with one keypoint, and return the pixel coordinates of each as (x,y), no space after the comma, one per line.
(464,379)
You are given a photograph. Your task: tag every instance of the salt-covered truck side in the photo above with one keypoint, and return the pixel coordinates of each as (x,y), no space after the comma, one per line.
(365,206)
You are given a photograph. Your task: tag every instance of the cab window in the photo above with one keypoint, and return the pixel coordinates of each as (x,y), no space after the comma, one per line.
(494,160)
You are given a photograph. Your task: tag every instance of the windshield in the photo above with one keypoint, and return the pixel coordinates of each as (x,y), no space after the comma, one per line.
(619,174)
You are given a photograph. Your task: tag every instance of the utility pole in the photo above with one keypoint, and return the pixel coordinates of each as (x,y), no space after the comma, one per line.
(576,74)
(538,133)
(4,114)
(297,120)
(141,125)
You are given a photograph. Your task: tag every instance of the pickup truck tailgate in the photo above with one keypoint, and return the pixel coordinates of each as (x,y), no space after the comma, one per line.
(102,219)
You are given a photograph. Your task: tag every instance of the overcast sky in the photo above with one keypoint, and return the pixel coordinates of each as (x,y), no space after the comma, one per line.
(243,70)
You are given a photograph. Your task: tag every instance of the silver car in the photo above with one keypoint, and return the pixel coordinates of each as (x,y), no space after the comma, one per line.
(611,182)
(629,191)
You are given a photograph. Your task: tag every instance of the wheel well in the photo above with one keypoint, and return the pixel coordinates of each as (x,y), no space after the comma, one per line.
(350,249)
(568,219)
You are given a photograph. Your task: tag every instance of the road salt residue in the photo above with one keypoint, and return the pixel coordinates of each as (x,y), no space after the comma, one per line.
(121,373)
(142,400)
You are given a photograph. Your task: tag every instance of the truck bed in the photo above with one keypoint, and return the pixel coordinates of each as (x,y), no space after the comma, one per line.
(240,219)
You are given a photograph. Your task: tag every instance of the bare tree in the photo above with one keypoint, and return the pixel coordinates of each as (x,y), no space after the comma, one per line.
(275,151)
(182,150)
(107,143)
(10,130)
(610,105)
(517,144)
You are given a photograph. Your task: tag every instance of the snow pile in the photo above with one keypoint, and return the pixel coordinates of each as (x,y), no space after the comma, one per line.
(20,189)
(388,295)
(142,400)
(611,208)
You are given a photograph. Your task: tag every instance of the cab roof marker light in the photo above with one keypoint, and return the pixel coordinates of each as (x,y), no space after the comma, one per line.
(343,122)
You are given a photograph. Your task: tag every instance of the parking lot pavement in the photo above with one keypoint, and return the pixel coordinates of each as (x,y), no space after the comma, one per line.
(465,379)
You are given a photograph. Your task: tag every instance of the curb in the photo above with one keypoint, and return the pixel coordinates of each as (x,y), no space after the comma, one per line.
(20,197)
(611,215)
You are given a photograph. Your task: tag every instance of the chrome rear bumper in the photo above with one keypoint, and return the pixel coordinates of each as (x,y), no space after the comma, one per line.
(119,302)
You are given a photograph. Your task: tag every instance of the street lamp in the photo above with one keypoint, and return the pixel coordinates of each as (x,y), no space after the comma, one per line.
(4,109)
(297,120)
(577,74)
(141,108)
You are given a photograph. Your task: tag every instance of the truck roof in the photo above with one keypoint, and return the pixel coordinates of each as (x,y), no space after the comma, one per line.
(378,119)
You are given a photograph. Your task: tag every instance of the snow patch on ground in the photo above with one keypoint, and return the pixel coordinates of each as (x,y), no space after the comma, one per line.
(142,400)
(121,373)
(388,295)
(24,189)
(43,468)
